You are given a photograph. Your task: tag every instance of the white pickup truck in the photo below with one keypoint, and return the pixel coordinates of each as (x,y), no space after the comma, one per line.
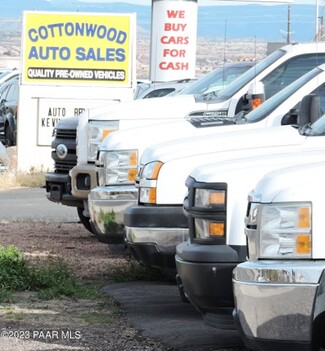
(120,152)
(279,291)
(116,192)
(215,206)
(275,72)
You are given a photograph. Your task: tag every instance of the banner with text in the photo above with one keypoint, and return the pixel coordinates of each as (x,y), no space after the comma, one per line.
(173,40)
(76,48)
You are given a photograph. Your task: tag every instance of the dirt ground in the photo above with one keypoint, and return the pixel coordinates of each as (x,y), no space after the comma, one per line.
(30,324)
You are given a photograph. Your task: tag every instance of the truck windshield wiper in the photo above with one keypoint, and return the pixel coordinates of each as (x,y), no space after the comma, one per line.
(208,96)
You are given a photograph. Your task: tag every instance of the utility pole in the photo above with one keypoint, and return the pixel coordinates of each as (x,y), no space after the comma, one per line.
(316,21)
(321,28)
(289,24)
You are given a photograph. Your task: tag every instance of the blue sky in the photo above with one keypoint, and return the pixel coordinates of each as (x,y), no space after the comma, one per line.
(208,2)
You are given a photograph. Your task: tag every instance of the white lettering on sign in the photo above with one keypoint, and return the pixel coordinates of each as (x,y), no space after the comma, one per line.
(174,28)
(76,74)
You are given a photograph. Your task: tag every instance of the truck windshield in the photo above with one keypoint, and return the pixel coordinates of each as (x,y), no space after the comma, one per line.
(248,76)
(276,100)
(211,83)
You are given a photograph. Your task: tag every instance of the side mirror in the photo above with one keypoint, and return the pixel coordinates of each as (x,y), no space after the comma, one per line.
(255,95)
(290,118)
(309,109)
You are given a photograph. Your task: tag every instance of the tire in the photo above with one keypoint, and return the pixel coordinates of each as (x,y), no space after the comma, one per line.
(84,220)
(8,136)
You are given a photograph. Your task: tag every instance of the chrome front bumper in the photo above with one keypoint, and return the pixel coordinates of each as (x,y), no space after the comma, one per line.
(276,300)
(107,204)
(165,239)
(83,179)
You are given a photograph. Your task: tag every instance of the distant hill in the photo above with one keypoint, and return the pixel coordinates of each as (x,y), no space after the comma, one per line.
(258,22)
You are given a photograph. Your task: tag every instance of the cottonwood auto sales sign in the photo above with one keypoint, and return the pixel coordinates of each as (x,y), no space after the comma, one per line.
(68,48)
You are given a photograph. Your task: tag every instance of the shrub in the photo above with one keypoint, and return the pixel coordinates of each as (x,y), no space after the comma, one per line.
(51,278)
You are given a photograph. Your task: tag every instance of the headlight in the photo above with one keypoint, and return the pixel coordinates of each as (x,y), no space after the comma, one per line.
(148,182)
(116,167)
(209,198)
(151,170)
(209,228)
(251,215)
(97,131)
(285,230)
(208,210)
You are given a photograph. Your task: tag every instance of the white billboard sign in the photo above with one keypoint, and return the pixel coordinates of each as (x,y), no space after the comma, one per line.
(173,40)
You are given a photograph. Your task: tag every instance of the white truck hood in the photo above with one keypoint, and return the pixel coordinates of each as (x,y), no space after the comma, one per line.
(281,185)
(141,137)
(241,175)
(276,140)
(221,141)
(172,107)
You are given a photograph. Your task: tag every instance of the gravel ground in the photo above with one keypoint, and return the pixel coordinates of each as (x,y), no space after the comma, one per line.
(96,325)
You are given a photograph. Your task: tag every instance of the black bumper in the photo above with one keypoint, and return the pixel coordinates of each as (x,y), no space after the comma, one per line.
(58,189)
(205,272)
(155,216)
(149,255)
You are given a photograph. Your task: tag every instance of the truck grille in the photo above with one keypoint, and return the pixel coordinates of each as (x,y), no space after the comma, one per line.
(64,166)
(66,134)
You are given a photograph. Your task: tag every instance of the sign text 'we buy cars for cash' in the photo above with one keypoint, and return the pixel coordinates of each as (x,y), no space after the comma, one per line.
(63,48)
(173,40)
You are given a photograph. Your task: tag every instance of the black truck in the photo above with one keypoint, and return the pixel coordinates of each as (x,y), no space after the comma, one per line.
(58,182)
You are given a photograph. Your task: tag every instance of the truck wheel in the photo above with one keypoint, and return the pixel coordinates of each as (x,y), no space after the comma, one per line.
(84,220)
(8,137)
(318,333)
